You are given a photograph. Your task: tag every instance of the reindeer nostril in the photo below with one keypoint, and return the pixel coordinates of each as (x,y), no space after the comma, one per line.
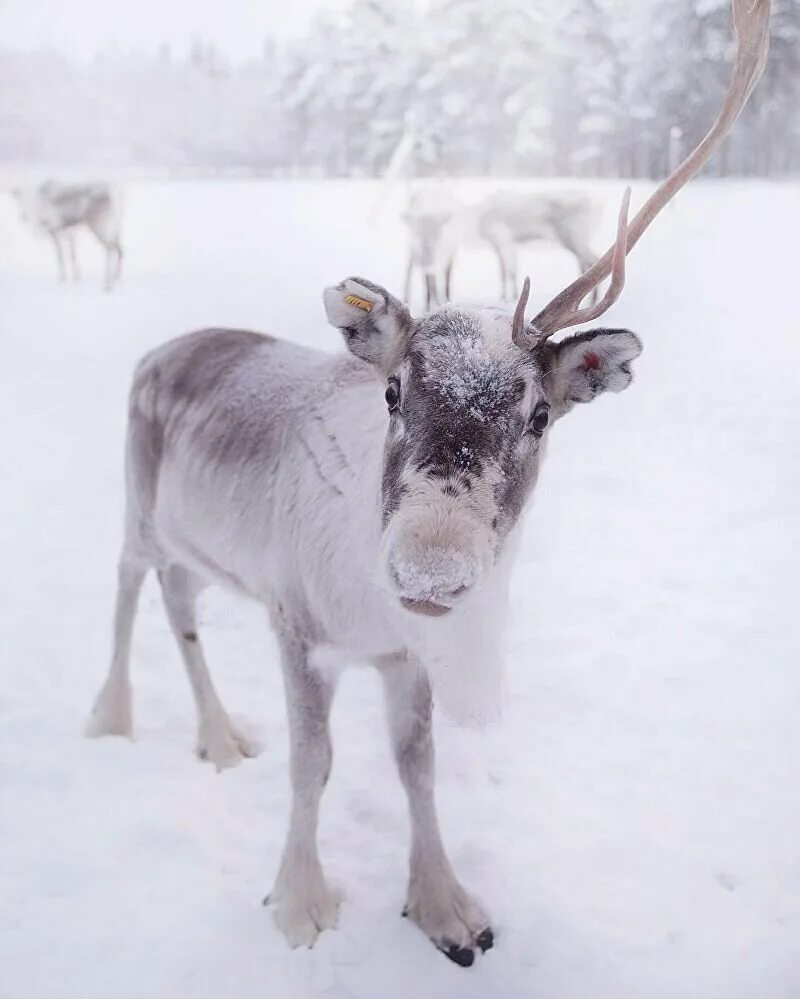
(432,571)
(459,591)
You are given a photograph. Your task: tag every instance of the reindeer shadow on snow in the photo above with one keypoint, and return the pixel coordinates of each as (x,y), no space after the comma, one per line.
(371,501)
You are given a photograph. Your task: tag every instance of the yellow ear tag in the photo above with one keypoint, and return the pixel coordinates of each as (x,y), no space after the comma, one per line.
(360,303)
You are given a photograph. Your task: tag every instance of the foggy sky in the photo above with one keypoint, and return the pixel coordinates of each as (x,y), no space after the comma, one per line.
(80,28)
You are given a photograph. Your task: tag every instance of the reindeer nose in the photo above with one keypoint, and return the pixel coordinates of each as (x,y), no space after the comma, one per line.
(431,580)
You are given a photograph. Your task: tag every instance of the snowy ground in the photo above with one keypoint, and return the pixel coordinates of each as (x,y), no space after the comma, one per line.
(633,824)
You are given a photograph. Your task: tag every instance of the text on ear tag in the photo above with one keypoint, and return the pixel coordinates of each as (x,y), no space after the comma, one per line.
(360,303)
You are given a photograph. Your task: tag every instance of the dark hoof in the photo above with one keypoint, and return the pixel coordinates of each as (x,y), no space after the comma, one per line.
(485,939)
(462,956)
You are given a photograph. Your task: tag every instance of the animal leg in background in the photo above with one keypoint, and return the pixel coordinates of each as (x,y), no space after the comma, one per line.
(69,236)
(62,271)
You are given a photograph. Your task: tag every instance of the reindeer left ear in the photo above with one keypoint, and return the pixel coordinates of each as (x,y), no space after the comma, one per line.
(582,366)
(375,324)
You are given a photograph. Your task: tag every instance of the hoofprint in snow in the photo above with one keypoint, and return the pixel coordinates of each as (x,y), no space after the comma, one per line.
(632,820)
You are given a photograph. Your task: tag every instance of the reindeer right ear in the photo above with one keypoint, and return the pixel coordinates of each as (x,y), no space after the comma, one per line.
(374,324)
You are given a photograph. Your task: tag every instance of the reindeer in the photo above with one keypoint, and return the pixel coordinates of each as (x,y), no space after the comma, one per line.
(505,219)
(372,502)
(430,208)
(59,209)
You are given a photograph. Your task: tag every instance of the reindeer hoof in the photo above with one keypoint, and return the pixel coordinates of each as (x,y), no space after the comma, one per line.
(226,747)
(111,714)
(485,940)
(462,956)
(453,920)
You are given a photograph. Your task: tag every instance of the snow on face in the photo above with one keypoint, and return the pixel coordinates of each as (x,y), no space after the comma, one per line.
(470,370)
(458,462)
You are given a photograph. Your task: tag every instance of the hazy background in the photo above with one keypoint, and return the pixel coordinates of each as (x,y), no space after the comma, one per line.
(525,87)
(633,824)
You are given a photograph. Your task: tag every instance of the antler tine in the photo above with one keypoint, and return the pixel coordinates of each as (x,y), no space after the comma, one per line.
(751,23)
(518,334)
(620,250)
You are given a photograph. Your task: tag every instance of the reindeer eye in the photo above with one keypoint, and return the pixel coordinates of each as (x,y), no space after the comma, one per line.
(392,395)
(540,419)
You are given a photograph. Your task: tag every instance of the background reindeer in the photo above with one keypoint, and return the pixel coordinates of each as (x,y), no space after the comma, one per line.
(276,470)
(439,227)
(60,209)
(430,207)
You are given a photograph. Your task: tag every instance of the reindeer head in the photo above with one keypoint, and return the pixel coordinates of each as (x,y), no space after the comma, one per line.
(468,417)
(472,393)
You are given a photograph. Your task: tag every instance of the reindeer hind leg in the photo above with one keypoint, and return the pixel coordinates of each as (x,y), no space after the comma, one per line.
(111,714)
(218,740)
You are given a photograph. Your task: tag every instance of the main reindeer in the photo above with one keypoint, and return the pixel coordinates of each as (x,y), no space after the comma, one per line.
(372,502)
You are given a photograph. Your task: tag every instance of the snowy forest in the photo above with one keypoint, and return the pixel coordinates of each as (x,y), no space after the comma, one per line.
(511,87)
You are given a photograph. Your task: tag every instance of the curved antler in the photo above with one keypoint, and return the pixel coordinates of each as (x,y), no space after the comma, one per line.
(751,23)
(518,325)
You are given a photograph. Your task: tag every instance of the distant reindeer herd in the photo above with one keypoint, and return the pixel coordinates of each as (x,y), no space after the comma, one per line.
(439,227)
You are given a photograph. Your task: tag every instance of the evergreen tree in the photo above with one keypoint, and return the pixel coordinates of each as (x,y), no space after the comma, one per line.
(584,87)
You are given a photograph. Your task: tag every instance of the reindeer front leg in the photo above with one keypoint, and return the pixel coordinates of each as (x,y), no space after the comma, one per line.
(303,903)
(73,256)
(437,902)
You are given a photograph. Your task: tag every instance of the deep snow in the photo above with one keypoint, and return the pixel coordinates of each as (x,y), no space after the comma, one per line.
(633,823)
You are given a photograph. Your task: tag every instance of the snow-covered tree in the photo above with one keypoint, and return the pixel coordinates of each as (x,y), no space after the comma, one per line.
(587,87)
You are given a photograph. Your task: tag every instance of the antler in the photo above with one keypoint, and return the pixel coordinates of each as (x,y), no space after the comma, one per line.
(751,23)
(518,325)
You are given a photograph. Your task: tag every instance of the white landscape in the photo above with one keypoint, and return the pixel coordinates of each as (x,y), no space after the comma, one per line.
(633,821)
